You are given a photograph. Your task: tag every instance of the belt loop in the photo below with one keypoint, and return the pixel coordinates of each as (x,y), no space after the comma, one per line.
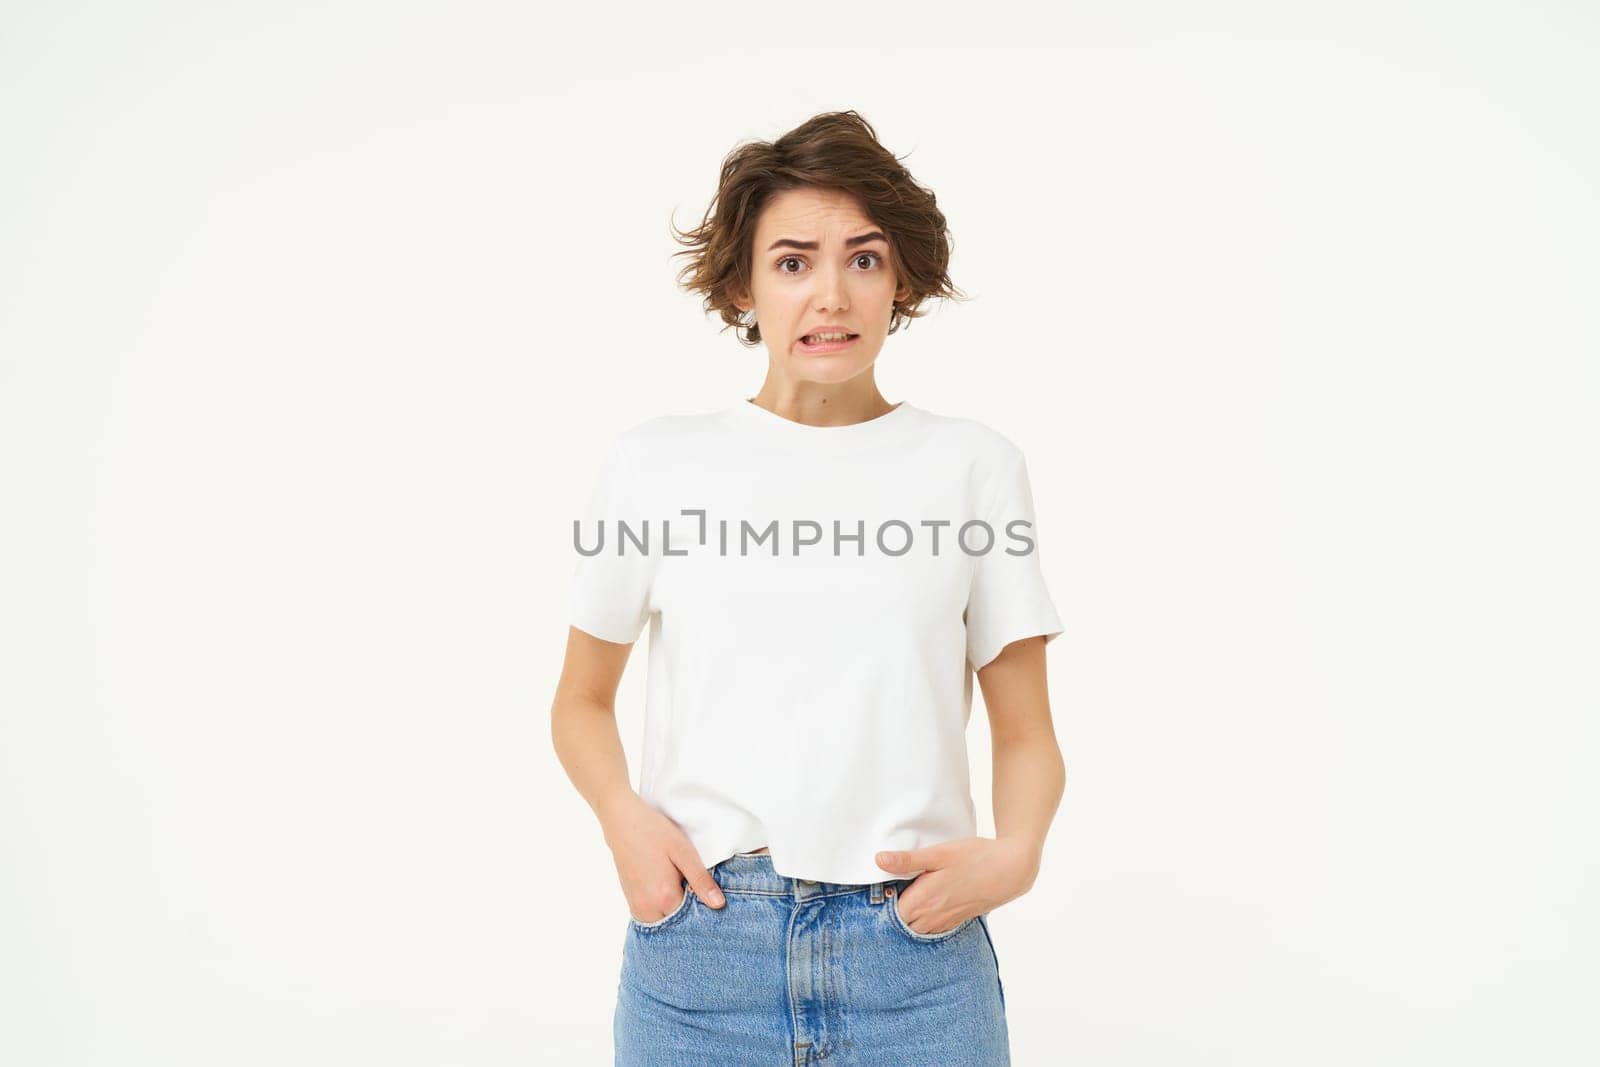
(876,895)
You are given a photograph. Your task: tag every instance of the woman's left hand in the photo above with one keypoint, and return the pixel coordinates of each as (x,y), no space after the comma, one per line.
(961,878)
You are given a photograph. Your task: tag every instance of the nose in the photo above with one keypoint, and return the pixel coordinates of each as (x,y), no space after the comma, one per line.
(831,292)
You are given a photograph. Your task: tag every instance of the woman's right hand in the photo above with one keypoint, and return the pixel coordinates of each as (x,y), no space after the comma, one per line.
(653,857)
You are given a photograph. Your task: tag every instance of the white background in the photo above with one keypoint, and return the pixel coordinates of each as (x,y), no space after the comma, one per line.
(314,318)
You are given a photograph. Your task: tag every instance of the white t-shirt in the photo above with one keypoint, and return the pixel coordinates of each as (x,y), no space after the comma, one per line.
(806,692)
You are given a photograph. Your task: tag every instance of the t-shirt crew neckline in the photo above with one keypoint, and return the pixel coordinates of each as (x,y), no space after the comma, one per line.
(847,437)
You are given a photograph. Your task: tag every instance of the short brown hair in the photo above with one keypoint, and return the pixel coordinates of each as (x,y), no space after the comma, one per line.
(834,150)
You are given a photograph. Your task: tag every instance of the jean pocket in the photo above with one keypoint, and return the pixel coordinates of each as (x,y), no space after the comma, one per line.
(666,920)
(905,928)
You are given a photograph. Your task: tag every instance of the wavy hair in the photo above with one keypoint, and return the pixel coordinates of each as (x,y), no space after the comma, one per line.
(836,150)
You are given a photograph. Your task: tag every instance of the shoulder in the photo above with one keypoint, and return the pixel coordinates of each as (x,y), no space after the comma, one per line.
(988,448)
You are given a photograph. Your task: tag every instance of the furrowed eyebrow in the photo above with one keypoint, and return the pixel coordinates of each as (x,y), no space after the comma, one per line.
(812,246)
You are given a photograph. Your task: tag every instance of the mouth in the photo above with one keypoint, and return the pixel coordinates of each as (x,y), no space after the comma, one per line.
(832,341)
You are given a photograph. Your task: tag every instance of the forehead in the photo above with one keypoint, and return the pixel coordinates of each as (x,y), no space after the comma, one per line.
(807,214)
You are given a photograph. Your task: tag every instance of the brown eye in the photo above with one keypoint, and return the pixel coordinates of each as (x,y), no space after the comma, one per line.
(873,255)
(787,259)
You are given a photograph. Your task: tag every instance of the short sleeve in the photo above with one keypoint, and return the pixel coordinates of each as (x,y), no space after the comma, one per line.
(611,585)
(1008,599)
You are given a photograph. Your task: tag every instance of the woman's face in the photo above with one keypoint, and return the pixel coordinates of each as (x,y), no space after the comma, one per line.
(818,260)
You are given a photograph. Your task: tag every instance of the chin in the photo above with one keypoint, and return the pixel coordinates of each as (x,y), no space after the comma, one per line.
(823,372)
(825,368)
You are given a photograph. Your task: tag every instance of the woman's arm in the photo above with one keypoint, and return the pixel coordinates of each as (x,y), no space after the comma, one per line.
(971,875)
(1029,772)
(652,854)
(583,722)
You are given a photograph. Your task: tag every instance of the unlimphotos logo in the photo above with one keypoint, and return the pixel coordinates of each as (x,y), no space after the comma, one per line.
(891,537)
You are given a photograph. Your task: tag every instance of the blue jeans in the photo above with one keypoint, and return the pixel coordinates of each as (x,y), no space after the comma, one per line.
(797,972)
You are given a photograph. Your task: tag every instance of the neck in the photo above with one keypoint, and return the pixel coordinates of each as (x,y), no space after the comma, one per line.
(823,405)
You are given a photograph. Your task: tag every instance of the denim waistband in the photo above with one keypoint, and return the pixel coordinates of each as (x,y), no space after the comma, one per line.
(754,873)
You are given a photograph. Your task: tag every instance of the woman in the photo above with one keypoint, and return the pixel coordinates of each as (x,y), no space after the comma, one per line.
(823,573)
